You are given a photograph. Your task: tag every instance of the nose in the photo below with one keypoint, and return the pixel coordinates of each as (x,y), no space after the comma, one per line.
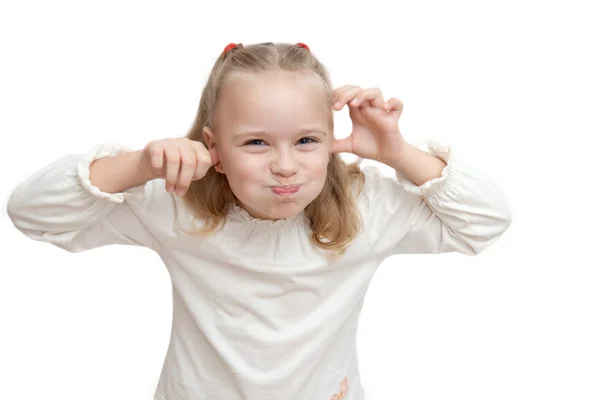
(284,163)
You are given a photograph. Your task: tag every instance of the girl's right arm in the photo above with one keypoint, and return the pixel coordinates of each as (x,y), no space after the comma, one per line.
(109,195)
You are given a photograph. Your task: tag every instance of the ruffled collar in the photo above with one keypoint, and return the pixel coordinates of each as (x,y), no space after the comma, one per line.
(240,214)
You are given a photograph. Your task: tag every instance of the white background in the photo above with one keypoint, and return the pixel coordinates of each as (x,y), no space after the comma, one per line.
(512,86)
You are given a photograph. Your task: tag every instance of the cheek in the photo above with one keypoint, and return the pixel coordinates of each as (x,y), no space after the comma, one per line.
(317,163)
(243,171)
(316,170)
(249,180)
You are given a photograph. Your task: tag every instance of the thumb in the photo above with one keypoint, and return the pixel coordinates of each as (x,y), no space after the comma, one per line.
(342,145)
(203,161)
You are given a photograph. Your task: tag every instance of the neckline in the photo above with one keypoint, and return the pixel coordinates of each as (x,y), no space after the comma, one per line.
(240,214)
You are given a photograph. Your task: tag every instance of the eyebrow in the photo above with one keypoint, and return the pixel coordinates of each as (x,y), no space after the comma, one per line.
(242,134)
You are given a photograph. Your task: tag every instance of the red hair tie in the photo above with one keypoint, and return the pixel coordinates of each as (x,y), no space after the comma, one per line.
(303,45)
(230,46)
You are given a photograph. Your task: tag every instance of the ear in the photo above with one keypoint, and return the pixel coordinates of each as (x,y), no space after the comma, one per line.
(211,144)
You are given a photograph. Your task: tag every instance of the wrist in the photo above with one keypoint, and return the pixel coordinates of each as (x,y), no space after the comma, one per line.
(143,173)
(395,157)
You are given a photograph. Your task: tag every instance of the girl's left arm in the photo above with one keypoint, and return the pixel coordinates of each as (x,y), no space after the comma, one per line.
(435,204)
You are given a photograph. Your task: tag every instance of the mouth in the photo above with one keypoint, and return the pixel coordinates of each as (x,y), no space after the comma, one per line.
(283,190)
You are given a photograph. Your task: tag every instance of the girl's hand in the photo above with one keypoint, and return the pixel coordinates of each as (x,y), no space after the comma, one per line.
(375,132)
(179,161)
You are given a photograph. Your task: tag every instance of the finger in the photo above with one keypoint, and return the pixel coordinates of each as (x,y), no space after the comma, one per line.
(173,162)
(341,145)
(350,94)
(336,94)
(369,97)
(345,96)
(204,161)
(393,104)
(188,167)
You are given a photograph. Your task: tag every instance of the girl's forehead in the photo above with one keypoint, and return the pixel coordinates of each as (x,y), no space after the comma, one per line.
(274,107)
(268,94)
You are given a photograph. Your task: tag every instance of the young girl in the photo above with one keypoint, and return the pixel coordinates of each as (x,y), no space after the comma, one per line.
(270,239)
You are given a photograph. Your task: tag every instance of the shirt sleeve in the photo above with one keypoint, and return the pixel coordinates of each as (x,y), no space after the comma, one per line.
(461,211)
(60,205)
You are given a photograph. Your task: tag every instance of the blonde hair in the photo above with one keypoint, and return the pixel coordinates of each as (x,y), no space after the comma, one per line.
(333,214)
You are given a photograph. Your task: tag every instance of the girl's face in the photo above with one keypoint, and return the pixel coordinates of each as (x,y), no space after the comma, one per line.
(272,141)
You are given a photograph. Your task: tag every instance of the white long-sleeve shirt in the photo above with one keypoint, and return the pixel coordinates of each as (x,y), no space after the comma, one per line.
(260,313)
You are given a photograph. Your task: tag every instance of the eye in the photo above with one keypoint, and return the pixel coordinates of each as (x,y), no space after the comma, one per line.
(310,140)
(253,142)
(258,142)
